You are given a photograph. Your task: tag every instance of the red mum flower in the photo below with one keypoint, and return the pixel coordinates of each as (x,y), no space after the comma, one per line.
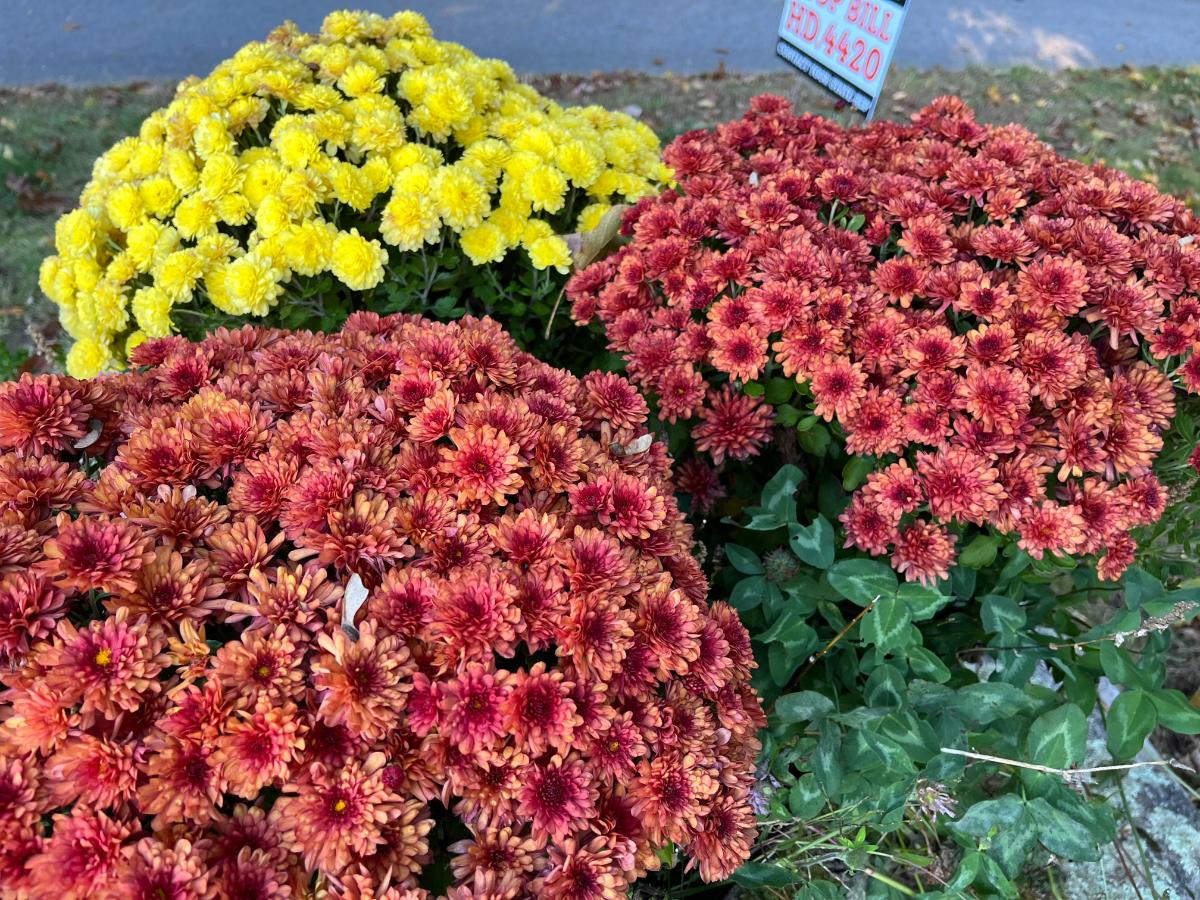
(92,553)
(924,552)
(483,464)
(184,781)
(558,796)
(48,413)
(959,484)
(838,386)
(582,873)
(472,708)
(539,711)
(1058,529)
(96,771)
(259,747)
(733,425)
(29,608)
(671,795)
(81,857)
(159,872)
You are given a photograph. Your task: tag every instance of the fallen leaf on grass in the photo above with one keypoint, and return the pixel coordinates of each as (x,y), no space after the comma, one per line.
(34,196)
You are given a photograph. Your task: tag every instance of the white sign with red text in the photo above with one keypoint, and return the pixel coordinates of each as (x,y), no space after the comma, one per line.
(844,45)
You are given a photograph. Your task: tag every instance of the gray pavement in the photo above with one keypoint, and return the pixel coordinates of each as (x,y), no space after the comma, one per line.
(112,41)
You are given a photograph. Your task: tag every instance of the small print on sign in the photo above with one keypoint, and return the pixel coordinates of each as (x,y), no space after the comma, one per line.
(844,45)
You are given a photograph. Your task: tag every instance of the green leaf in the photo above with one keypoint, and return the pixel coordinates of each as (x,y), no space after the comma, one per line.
(885,687)
(753,389)
(827,760)
(855,472)
(749,593)
(783,660)
(1057,738)
(756,874)
(886,626)
(778,501)
(814,440)
(779,390)
(923,602)
(1001,614)
(790,628)
(1060,833)
(1118,665)
(1006,824)
(1130,720)
(805,799)
(980,552)
(987,701)
(1175,712)
(862,580)
(813,543)
(745,561)
(927,664)
(967,871)
(802,706)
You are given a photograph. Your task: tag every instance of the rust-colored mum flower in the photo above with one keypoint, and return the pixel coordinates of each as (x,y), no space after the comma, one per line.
(290,584)
(110,667)
(329,817)
(362,682)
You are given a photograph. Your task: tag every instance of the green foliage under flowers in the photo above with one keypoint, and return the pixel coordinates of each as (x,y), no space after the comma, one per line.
(869,680)
(438,282)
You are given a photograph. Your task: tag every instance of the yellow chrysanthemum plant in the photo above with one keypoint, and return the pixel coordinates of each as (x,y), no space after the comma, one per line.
(369,166)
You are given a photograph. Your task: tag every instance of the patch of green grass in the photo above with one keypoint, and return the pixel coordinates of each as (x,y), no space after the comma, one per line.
(1144,121)
(49,139)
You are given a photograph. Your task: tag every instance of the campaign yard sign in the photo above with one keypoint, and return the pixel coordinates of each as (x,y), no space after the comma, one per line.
(844,45)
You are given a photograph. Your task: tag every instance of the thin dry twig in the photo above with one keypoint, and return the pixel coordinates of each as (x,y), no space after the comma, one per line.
(1068,774)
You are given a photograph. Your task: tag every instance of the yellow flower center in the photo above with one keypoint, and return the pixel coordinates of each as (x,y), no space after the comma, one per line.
(263,671)
(103,656)
(614,746)
(340,806)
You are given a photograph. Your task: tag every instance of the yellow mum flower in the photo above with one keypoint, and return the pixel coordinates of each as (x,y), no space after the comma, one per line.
(550,252)
(410,221)
(579,162)
(75,233)
(124,207)
(135,340)
(546,188)
(461,196)
(248,286)
(159,195)
(359,79)
(484,244)
(152,310)
(87,358)
(195,216)
(591,215)
(178,273)
(308,247)
(356,261)
(263,176)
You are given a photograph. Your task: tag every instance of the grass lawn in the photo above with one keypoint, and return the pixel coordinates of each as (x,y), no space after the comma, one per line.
(1142,120)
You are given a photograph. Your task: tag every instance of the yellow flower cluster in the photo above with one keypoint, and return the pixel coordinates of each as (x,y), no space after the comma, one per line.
(332,153)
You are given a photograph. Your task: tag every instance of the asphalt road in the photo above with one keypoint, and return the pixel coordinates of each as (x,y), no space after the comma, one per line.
(112,41)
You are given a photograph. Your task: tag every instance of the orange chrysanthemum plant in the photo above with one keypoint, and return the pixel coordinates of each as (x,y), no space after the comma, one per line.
(994,330)
(395,612)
